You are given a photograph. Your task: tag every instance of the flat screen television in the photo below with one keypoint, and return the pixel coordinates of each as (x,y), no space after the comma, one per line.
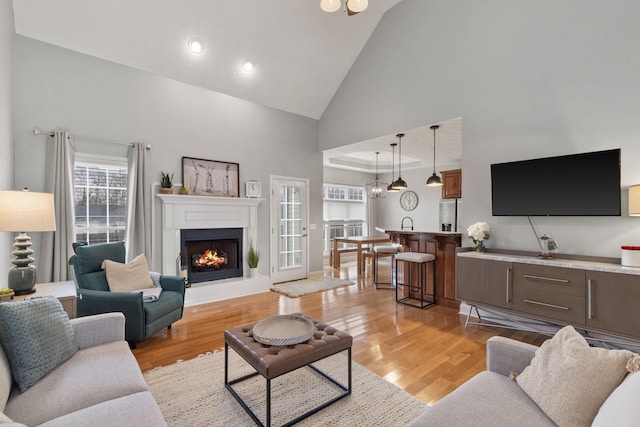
(586,184)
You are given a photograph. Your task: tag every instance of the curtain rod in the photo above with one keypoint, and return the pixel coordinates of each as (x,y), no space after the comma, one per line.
(37,131)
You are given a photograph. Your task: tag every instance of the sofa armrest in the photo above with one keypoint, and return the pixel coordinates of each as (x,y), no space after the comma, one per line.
(98,329)
(172,283)
(505,355)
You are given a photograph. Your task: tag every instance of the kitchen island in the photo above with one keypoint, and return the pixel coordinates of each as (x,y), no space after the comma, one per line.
(443,246)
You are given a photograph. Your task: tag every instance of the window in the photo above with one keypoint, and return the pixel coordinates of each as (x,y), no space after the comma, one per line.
(100,200)
(344,212)
(334,192)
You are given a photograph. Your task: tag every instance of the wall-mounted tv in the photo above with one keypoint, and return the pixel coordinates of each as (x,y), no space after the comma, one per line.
(586,184)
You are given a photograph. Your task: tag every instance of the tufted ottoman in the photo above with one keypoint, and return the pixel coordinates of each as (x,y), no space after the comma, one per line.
(273,361)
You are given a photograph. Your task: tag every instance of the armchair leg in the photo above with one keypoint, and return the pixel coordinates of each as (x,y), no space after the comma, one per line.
(169,327)
(132,345)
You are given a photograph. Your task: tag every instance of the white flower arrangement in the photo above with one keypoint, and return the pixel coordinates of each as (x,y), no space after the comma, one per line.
(478,233)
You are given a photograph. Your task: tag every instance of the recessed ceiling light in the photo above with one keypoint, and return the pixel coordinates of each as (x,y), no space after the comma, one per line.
(248,66)
(195,46)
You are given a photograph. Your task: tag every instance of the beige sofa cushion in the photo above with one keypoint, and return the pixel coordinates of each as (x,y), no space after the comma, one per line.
(128,277)
(570,380)
(93,375)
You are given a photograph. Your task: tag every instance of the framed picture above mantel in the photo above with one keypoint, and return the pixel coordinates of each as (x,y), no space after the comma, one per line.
(210,177)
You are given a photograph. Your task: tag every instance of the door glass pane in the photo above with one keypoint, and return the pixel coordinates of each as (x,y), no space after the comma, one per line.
(290,241)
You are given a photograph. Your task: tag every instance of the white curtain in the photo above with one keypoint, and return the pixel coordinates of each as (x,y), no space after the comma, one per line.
(56,247)
(138,239)
(370,217)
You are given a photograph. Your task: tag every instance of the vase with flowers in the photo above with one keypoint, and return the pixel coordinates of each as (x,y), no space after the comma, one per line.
(479,233)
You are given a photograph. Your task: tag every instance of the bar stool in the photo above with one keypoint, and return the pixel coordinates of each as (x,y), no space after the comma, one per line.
(382,251)
(409,291)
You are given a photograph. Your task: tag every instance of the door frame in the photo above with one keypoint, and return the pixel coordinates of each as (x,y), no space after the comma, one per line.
(274,222)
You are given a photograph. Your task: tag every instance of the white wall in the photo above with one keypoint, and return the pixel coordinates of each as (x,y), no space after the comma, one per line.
(426,215)
(7,32)
(531,78)
(97,98)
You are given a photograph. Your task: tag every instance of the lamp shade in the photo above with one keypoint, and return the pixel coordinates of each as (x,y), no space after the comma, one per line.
(357,6)
(24,211)
(330,5)
(634,200)
(434,181)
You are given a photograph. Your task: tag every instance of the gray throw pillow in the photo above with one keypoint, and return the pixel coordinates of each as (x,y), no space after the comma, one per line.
(37,337)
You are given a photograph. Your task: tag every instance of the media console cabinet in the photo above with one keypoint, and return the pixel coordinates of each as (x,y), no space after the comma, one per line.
(589,294)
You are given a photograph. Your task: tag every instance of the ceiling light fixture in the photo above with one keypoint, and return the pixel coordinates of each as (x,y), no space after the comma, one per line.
(390,188)
(376,189)
(248,66)
(434,180)
(352,6)
(399,184)
(195,46)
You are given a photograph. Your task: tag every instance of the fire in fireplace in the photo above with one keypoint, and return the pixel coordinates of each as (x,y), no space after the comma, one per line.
(209,260)
(211,254)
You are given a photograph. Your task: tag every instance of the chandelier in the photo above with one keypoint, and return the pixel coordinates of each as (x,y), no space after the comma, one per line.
(376,189)
(352,6)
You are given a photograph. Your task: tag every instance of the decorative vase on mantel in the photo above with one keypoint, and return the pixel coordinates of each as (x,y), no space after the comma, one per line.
(480,246)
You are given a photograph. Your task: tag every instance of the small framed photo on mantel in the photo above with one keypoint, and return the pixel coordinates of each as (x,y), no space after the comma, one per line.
(210,177)
(253,189)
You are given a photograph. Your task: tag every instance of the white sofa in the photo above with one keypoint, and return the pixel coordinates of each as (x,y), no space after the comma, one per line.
(491,398)
(101,385)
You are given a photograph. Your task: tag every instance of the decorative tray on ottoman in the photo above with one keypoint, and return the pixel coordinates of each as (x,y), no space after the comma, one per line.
(286,329)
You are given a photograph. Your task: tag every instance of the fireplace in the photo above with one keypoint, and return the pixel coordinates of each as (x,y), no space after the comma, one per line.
(210,254)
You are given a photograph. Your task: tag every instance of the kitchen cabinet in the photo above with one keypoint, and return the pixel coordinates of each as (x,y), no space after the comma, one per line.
(451,184)
(443,246)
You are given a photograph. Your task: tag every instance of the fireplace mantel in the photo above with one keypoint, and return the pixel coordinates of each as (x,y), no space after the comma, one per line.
(188,212)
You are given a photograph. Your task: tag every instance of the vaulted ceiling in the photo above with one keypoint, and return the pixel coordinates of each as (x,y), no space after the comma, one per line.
(301,54)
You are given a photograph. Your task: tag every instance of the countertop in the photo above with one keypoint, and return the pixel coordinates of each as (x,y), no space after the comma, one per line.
(554,262)
(434,233)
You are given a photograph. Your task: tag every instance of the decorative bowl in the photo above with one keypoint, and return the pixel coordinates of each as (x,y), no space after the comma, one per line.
(287,329)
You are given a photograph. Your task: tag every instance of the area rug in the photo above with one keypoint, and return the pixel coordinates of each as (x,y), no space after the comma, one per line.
(192,393)
(297,288)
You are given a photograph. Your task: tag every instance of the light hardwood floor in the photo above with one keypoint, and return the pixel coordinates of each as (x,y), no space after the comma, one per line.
(426,352)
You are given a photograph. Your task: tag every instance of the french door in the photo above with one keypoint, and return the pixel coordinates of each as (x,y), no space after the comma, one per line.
(289,251)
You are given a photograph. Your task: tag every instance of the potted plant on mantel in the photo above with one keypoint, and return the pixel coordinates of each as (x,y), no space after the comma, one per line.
(166,184)
(253,257)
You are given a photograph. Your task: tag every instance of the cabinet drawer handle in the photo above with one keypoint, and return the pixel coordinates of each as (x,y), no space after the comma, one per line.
(508,283)
(546,305)
(589,313)
(550,279)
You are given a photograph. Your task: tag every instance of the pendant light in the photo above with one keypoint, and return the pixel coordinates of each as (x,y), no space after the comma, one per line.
(390,188)
(399,184)
(376,189)
(434,180)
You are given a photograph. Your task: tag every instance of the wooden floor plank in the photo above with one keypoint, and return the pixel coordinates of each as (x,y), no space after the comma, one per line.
(426,352)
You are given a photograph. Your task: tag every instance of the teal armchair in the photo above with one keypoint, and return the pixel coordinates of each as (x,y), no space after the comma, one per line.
(143,319)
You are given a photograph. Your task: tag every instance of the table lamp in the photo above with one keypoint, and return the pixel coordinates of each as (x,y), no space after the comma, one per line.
(634,200)
(22,211)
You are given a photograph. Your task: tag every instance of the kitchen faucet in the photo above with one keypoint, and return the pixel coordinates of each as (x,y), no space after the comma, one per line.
(402,224)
